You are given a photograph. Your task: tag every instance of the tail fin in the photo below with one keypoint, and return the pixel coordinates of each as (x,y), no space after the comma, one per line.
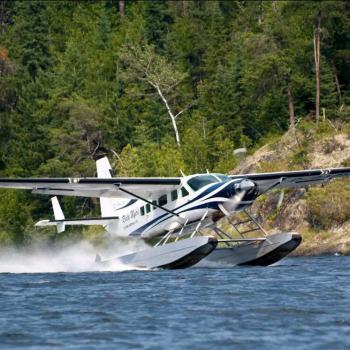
(108,205)
(104,169)
(58,213)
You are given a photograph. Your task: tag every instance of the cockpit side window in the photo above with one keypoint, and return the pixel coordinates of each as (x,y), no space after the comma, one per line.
(184,192)
(200,181)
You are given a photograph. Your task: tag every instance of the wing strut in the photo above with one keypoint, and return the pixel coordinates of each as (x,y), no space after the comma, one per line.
(149,202)
(275,184)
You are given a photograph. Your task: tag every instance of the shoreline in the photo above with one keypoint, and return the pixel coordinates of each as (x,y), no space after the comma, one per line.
(318,246)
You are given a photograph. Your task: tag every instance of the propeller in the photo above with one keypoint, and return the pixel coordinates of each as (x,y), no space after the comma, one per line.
(231,205)
(242,188)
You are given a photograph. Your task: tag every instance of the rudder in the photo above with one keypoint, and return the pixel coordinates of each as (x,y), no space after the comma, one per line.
(108,205)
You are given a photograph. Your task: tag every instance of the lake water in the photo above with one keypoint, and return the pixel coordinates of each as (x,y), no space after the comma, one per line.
(303,303)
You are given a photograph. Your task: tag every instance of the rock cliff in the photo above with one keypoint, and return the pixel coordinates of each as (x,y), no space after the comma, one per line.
(320,213)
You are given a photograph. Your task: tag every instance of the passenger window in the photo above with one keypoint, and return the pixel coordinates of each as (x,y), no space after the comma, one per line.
(174,195)
(154,207)
(162,200)
(148,208)
(184,192)
(142,209)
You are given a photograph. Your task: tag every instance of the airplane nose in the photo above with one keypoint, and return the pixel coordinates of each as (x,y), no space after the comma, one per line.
(233,189)
(245,185)
(229,190)
(236,193)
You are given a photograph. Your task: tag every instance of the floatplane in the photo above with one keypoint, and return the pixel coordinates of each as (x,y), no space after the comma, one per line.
(175,211)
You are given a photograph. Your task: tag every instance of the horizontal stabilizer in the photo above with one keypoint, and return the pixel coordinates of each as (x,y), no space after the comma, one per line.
(60,221)
(85,221)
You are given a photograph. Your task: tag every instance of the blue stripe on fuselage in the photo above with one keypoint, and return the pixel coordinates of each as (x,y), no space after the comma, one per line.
(166,216)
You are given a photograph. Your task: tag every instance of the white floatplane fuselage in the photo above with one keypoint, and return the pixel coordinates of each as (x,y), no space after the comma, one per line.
(195,196)
(139,218)
(156,213)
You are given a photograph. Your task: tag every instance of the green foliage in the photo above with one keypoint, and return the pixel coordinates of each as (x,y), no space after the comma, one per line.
(12,220)
(150,160)
(78,81)
(300,157)
(329,205)
(195,150)
(220,100)
(158,17)
(129,162)
(346,162)
(221,151)
(30,35)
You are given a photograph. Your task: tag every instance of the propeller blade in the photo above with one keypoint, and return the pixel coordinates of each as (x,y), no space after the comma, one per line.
(231,205)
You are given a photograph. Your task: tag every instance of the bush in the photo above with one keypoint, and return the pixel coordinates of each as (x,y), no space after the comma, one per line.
(300,157)
(346,162)
(329,205)
(14,216)
(332,145)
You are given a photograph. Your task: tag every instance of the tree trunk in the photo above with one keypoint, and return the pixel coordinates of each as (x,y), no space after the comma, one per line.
(181,6)
(177,135)
(260,15)
(340,97)
(274,5)
(171,114)
(2,17)
(290,108)
(317,40)
(122,7)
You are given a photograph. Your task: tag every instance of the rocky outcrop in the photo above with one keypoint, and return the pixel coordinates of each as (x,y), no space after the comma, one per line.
(292,212)
(331,152)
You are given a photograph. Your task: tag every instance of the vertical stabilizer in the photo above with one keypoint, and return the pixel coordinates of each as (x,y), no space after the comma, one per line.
(58,213)
(104,169)
(108,205)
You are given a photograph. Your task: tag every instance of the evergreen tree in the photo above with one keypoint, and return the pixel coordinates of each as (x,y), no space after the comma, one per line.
(79,80)
(158,18)
(31,37)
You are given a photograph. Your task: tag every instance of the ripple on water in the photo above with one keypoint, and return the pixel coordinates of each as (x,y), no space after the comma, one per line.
(301,304)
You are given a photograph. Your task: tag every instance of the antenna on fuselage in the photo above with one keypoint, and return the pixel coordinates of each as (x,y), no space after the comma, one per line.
(182,173)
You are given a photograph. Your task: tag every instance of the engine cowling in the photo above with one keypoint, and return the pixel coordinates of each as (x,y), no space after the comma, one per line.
(242,192)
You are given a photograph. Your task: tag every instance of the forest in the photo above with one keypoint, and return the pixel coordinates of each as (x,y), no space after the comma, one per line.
(158,86)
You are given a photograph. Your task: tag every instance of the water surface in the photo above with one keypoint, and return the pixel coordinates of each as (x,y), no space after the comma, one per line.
(302,304)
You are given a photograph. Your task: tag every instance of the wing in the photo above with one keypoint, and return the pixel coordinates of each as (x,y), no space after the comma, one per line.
(290,179)
(94,187)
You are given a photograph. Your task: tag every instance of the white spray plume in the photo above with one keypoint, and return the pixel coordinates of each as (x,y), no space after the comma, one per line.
(76,257)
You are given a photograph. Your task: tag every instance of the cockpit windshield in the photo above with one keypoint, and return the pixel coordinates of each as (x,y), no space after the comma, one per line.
(200,181)
(222,177)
